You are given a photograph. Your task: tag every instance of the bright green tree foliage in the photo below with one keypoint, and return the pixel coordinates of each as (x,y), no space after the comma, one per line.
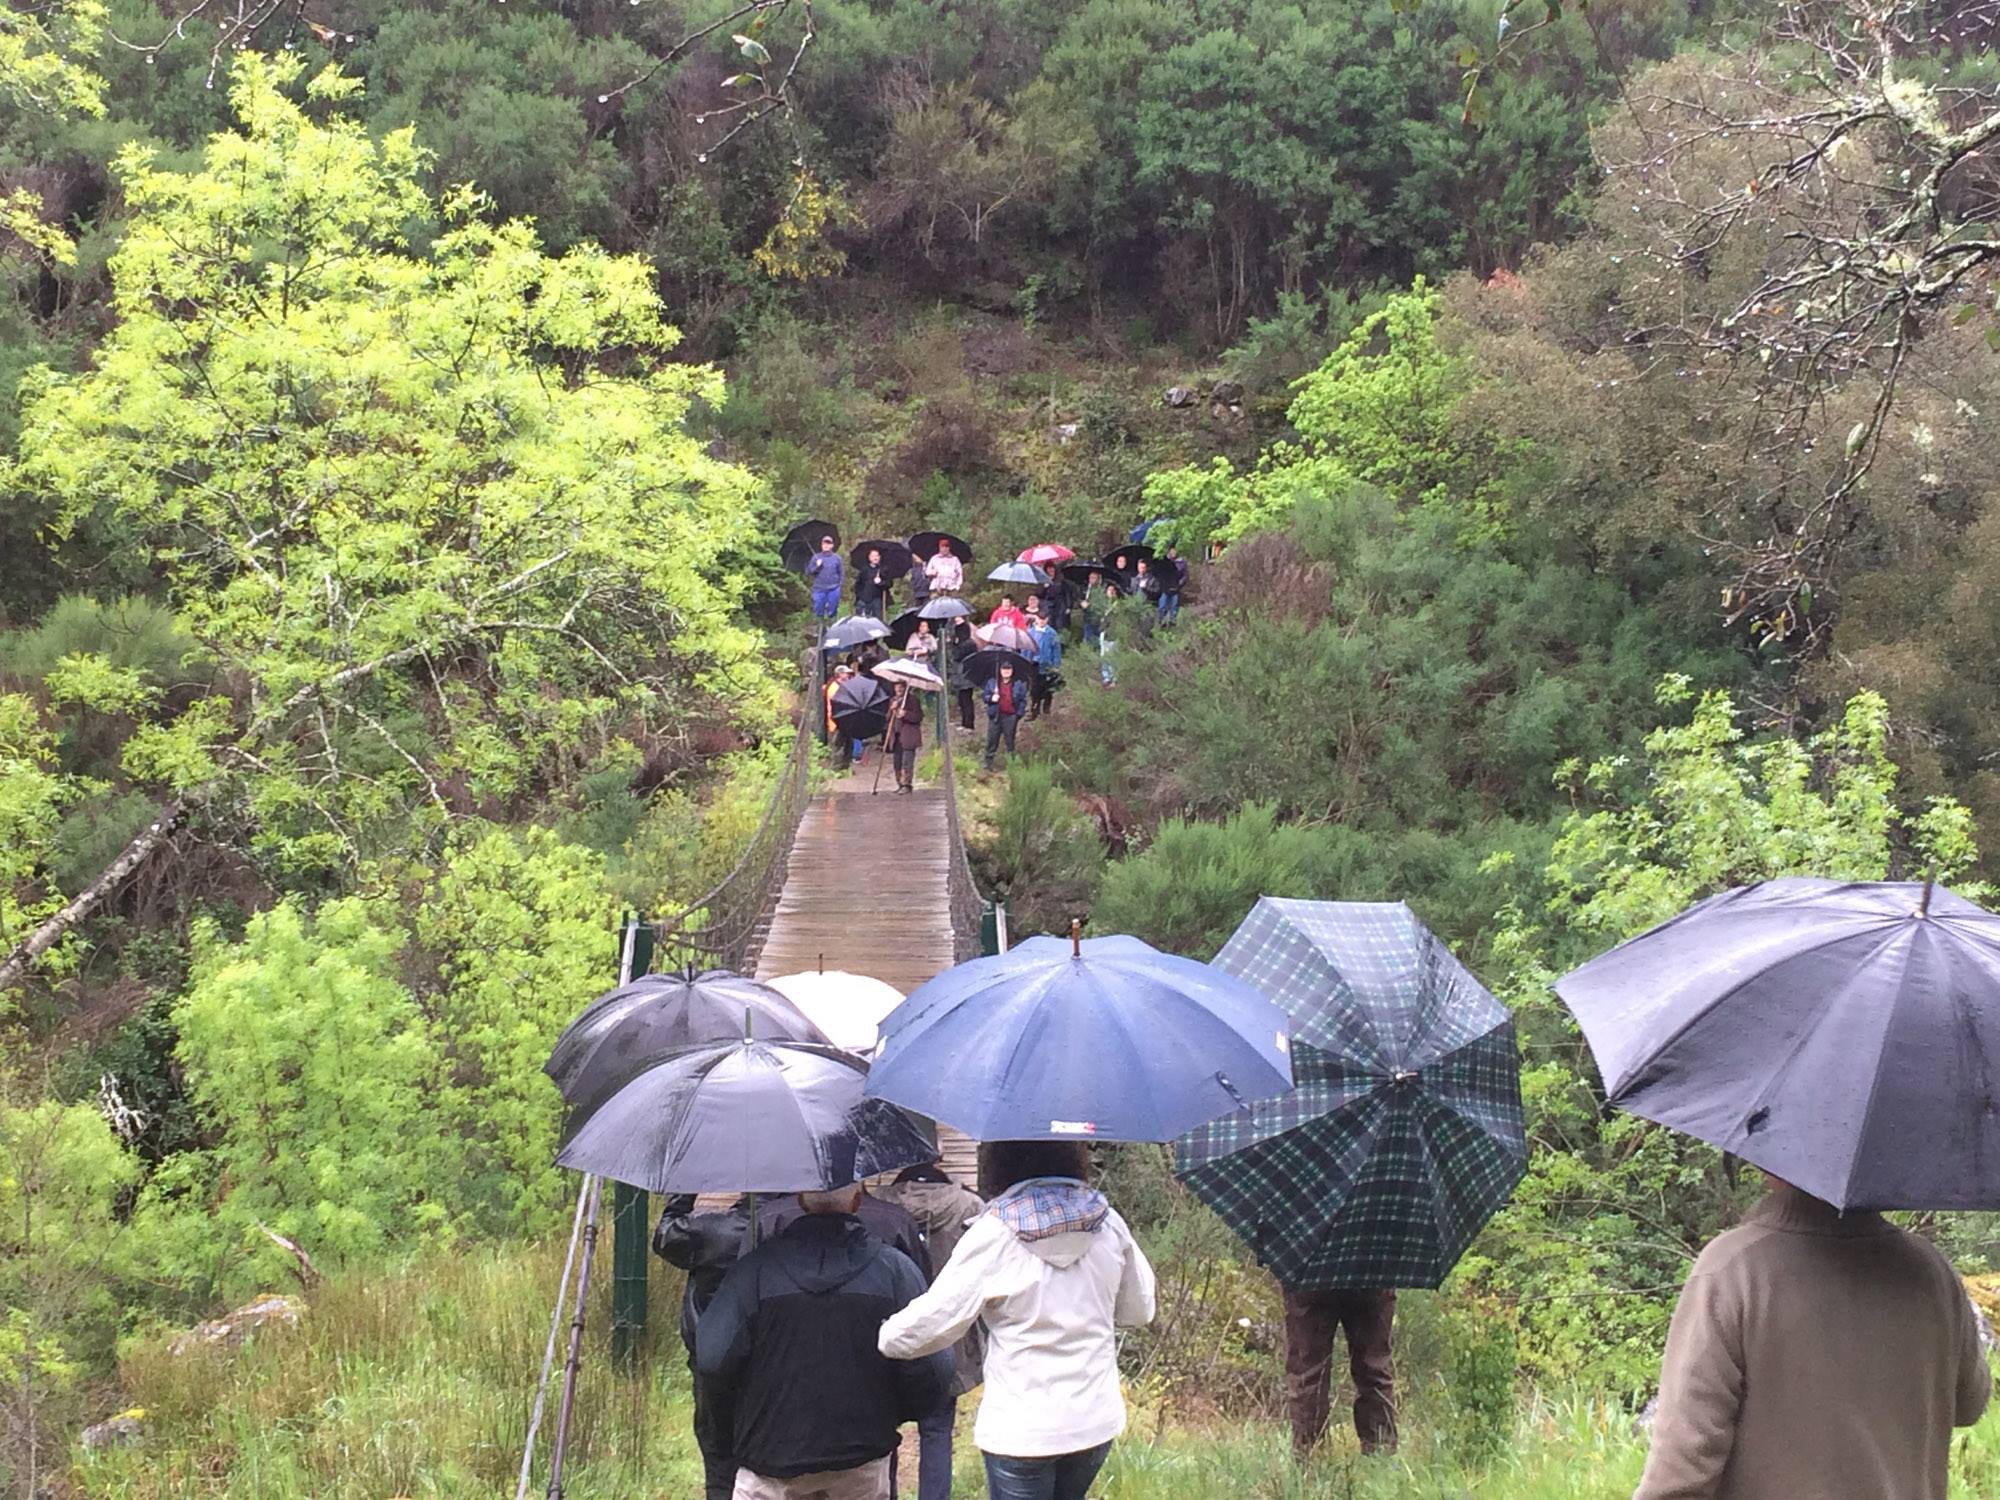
(33,794)
(435,511)
(371,1074)
(1378,411)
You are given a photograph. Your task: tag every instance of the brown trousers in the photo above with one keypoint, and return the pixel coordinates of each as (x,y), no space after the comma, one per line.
(1312,1321)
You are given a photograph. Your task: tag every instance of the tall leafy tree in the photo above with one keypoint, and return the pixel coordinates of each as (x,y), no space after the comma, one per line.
(431,516)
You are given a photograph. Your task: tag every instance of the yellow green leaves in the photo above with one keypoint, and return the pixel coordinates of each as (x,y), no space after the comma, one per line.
(45,56)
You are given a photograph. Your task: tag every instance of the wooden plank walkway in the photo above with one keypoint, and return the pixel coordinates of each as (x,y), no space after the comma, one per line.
(867,890)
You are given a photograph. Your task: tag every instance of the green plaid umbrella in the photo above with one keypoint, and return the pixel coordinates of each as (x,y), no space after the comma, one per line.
(1405,1133)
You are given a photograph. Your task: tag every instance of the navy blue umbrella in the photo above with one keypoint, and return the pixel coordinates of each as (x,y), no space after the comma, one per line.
(1060,1038)
(1843,1036)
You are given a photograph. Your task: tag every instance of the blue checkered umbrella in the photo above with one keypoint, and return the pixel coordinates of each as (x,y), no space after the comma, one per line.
(1404,1134)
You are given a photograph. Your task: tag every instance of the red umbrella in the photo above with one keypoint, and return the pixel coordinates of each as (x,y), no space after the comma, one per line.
(1046,554)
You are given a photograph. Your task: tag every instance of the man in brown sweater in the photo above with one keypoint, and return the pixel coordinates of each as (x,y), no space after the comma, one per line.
(1815,1355)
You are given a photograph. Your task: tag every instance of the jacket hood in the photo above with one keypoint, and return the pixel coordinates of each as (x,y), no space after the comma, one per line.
(823,1252)
(1055,1217)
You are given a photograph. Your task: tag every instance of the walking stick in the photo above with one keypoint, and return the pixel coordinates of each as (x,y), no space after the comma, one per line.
(575,1362)
(549,1353)
(594,1187)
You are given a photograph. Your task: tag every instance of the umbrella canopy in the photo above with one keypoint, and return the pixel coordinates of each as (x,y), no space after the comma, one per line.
(1405,1133)
(1843,1036)
(916,674)
(1046,554)
(895,556)
(1078,573)
(1004,638)
(802,541)
(945,607)
(1059,1039)
(1126,557)
(1144,529)
(982,665)
(745,1117)
(599,1051)
(850,631)
(905,625)
(1018,572)
(860,708)
(847,1007)
(924,543)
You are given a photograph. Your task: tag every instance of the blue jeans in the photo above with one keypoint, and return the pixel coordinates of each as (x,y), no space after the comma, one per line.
(826,603)
(1170,608)
(933,1453)
(1064,1477)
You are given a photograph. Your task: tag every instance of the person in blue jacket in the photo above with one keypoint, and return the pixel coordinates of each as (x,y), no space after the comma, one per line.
(824,574)
(1048,657)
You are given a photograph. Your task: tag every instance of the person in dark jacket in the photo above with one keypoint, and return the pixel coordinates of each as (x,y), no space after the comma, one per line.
(1146,584)
(788,1344)
(871,585)
(942,1209)
(1173,578)
(1091,605)
(906,735)
(1006,701)
(962,646)
(705,1246)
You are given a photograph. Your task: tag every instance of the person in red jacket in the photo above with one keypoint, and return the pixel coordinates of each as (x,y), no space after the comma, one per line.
(1008,613)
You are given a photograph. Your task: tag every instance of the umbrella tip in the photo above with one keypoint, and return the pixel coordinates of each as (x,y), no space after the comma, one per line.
(747,1036)
(1076,937)
(1930,883)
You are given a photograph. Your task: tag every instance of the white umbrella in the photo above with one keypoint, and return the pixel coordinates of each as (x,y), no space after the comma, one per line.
(847,1007)
(914,673)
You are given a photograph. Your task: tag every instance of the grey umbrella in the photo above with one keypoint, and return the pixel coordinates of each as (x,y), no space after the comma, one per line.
(1843,1036)
(746,1117)
(850,631)
(600,1050)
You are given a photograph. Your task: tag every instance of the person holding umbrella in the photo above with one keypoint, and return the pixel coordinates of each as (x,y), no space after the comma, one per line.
(1052,1271)
(944,570)
(843,747)
(1048,661)
(1146,585)
(1091,607)
(1843,1037)
(906,735)
(923,645)
(788,1345)
(705,1246)
(824,574)
(1006,701)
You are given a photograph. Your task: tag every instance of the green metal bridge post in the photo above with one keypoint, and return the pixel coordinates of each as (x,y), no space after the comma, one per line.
(631,1208)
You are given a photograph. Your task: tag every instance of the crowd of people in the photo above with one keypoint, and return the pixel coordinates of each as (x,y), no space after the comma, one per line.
(819,1325)
(1124,598)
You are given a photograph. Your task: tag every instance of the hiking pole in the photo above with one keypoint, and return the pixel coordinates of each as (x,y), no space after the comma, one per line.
(549,1353)
(575,1362)
(594,1190)
(895,708)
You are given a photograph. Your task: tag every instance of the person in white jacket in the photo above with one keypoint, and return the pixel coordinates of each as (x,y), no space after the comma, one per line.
(1052,1270)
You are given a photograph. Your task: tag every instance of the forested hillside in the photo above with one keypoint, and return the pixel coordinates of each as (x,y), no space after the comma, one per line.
(1580,419)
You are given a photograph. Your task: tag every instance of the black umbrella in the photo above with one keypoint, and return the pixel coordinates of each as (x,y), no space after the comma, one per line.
(1127,557)
(905,625)
(860,708)
(850,631)
(1842,1036)
(981,665)
(895,556)
(1078,573)
(746,1117)
(802,541)
(602,1048)
(924,543)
